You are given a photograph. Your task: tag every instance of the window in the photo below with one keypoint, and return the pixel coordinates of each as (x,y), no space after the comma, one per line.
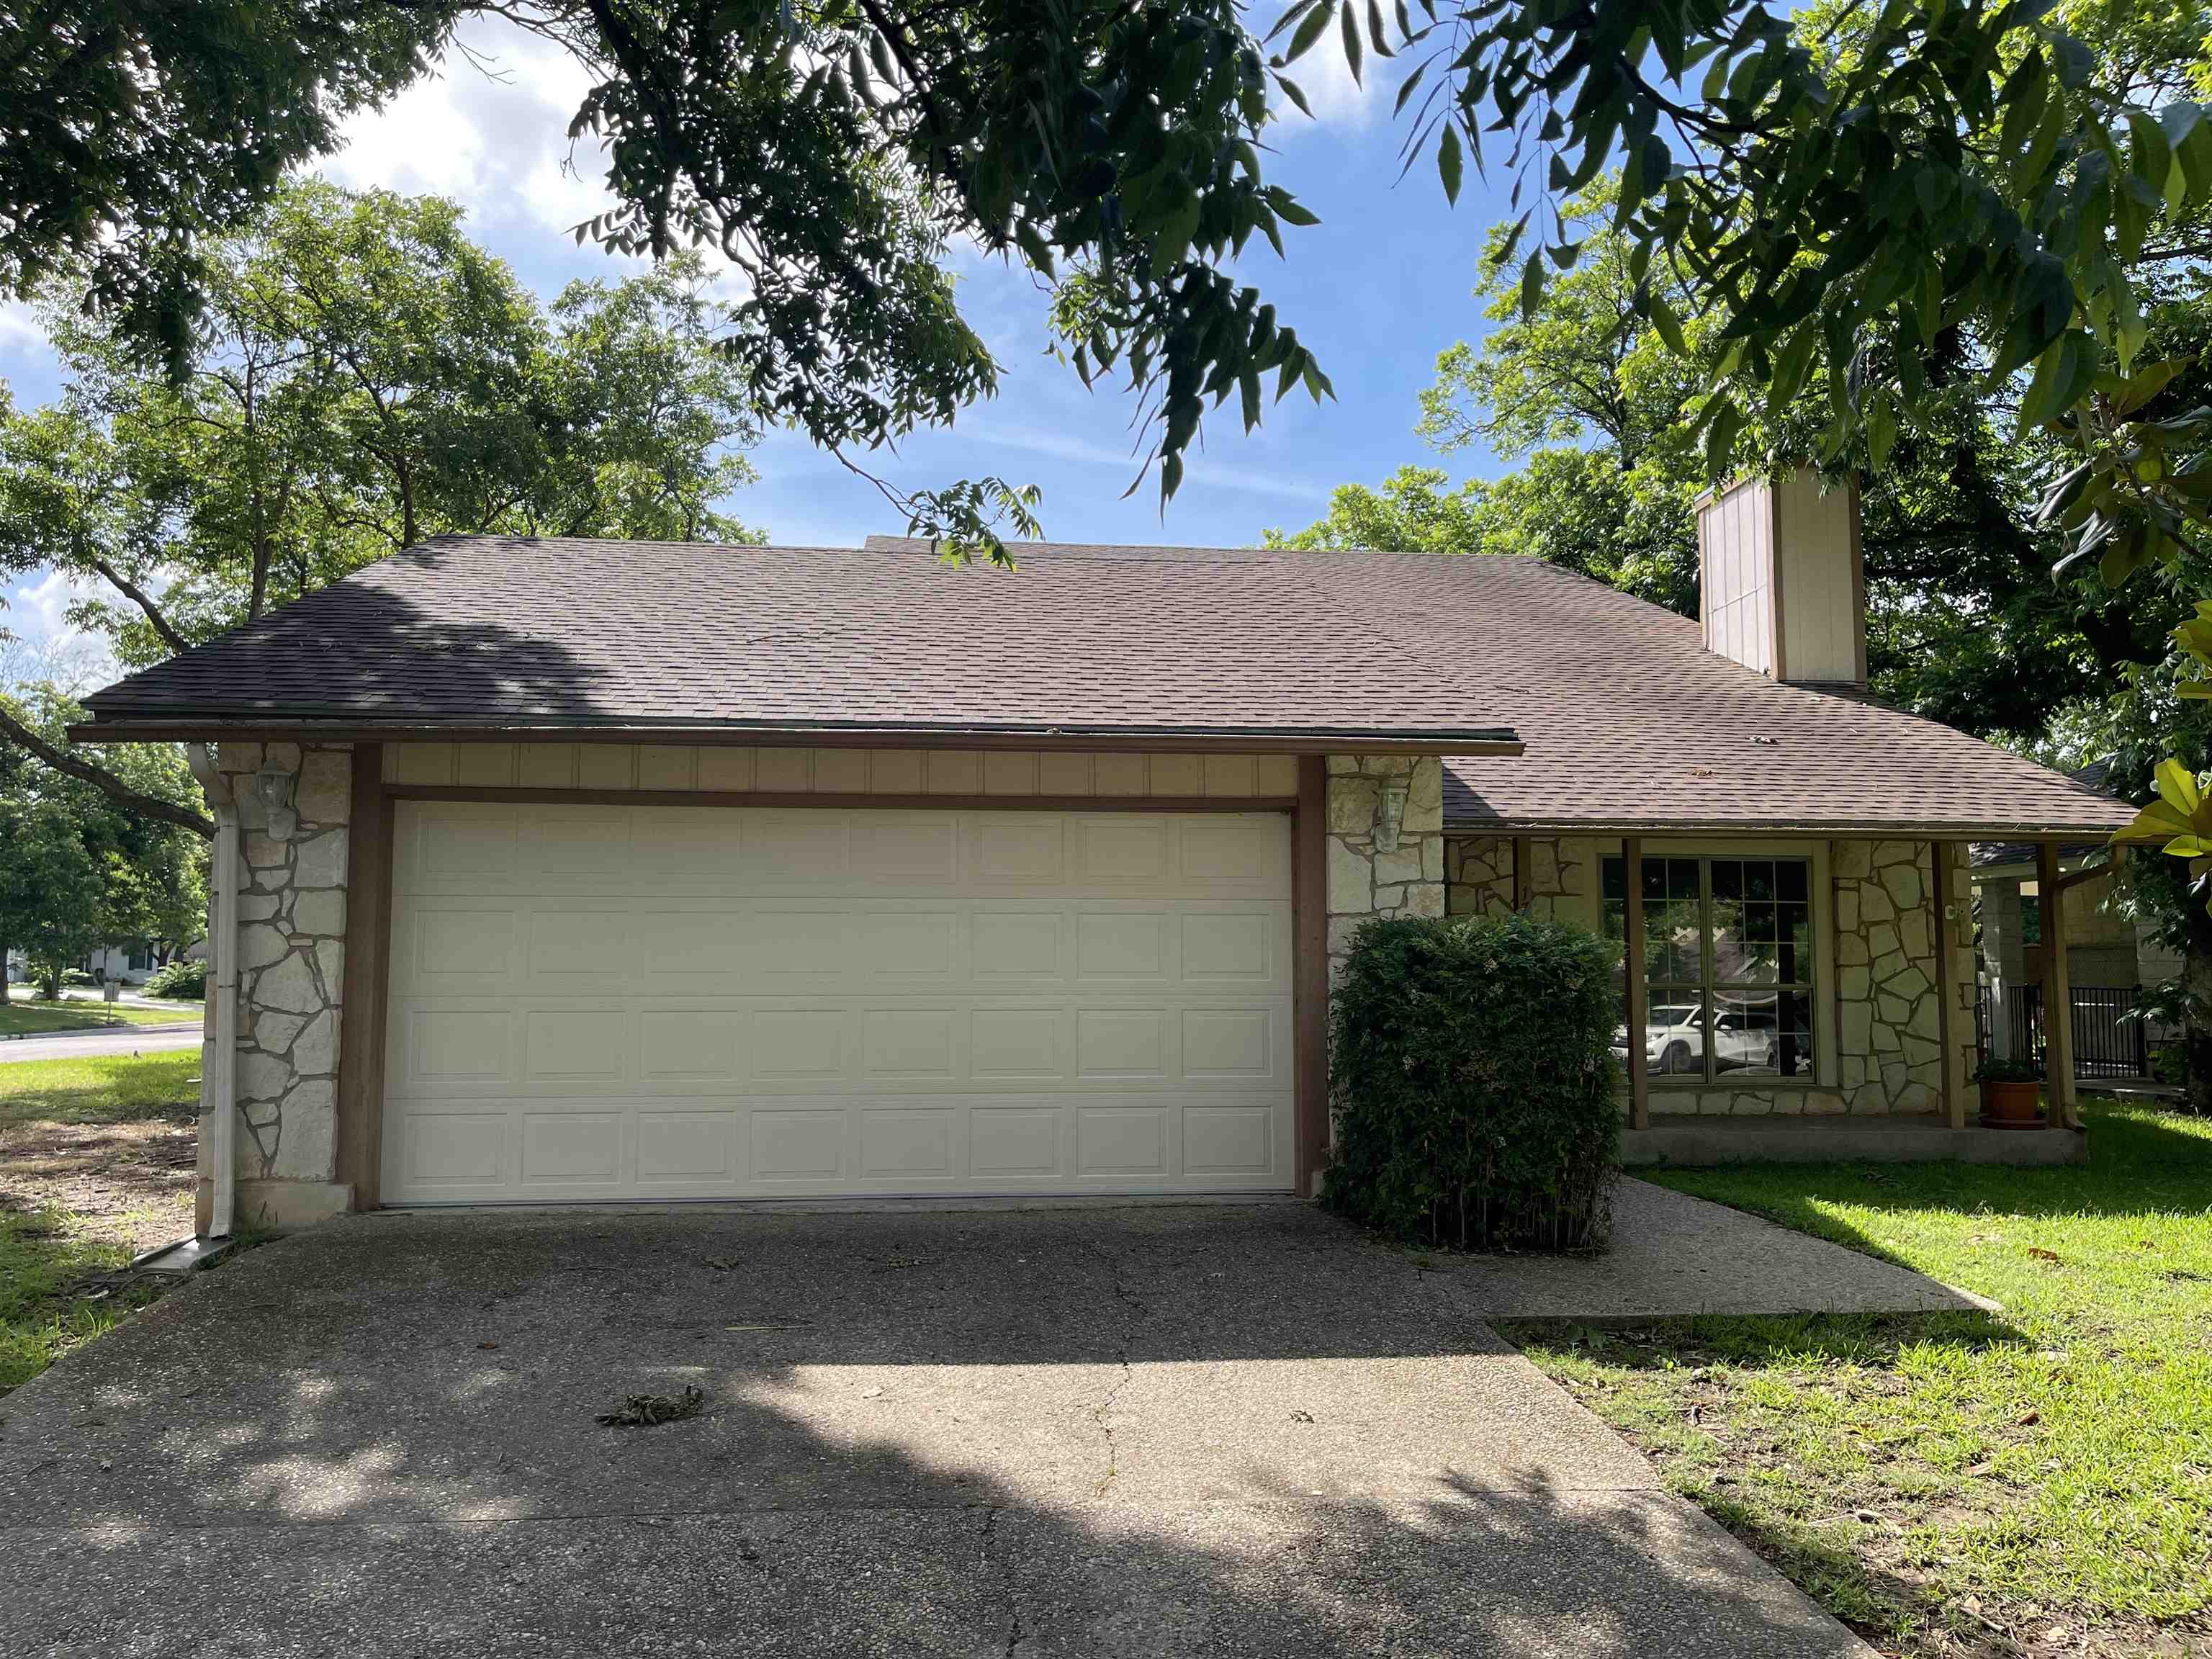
(1728,965)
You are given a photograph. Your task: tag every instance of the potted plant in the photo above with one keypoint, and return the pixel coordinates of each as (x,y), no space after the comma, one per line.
(2011,1091)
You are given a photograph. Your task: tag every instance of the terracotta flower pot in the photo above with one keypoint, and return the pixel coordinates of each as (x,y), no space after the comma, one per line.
(2011,1105)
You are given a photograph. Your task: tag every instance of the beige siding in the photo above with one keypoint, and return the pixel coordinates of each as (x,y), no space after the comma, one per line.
(1819,588)
(1011,773)
(1736,561)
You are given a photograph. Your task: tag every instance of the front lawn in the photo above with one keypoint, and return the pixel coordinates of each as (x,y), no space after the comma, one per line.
(96,1164)
(2034,1482)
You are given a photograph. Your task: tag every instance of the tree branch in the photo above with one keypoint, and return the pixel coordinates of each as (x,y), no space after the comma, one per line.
(106,782)
(139,597)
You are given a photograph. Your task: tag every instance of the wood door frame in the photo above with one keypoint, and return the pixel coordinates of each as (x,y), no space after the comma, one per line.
(363,1026)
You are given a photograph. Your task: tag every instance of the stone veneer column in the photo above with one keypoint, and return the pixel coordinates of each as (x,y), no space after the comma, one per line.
(291,961)
(1888,1056)
(1363,882)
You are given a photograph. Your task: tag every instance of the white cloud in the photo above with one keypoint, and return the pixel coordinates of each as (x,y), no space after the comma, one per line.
(1199,470)
(19,326)
(489,128)
(1337,100)
(43,644)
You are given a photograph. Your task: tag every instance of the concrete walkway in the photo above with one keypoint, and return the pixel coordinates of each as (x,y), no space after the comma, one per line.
(1673,1254)
(1144,1430)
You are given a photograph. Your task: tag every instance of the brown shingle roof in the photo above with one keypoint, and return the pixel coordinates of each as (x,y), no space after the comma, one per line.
(483,633)
(1629,722)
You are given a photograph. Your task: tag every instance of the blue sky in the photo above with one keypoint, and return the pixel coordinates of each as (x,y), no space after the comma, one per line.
(1376,290)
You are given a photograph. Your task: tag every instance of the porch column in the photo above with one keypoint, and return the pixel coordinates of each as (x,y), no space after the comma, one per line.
(1639,1063)
(2058,991)
(1955,989)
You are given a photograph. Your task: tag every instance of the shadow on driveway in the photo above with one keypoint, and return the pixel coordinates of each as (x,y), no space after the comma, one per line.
(1184,1430)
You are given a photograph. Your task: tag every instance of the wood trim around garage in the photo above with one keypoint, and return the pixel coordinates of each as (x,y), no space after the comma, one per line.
(368,977)
(835,799)
(362,1044)
(1309,971)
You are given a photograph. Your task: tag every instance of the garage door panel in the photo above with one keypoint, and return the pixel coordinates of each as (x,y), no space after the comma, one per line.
(687,1148)
(894,945)
(447,947)
(572,1148)
(1232,852)
(1229,1140)
(1121,850)
(1123,1141)
(1022,945)
(588,943)
(1020,850)
(569,849)
(675,1002)
(440,1046)
(794,849)
(1121,946)
(578,1045)
(903,847)
(680,1045)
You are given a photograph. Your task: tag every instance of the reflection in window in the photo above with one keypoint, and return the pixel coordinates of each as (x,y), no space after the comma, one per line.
(1727,963)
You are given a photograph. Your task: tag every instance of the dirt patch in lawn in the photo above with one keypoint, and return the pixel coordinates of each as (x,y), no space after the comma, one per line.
(127,1184)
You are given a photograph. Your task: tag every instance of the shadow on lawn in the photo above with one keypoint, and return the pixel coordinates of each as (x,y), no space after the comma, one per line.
(2143,1162)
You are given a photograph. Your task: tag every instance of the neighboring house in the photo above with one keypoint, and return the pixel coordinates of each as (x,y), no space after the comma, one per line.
(585,870)
(2111,956)
(133,965)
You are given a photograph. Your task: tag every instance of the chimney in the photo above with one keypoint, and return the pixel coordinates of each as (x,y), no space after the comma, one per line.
(1781,584)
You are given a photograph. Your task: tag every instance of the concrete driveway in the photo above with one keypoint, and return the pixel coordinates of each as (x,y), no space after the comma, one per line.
(1164,1430)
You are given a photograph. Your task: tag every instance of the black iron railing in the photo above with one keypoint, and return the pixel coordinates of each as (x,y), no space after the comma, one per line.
(2110,1037)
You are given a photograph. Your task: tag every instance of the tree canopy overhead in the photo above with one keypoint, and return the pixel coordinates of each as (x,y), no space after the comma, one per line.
(1845,190)
(365,376)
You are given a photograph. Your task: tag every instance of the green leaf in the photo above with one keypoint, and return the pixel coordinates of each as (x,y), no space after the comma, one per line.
(1350,18)
(1664,320)
(2064,374)
(1310,30)
(1448,161)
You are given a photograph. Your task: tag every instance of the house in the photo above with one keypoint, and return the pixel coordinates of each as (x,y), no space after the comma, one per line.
(2111,955)
(133,965)
(593,871)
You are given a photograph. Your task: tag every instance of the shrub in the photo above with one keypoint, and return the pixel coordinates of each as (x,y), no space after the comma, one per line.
(1473,1078)
(180,978)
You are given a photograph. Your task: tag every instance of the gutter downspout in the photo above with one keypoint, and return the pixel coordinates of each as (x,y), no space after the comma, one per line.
(219,1089)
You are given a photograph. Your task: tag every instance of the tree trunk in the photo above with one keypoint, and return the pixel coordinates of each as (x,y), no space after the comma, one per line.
(50,989)
(3,972)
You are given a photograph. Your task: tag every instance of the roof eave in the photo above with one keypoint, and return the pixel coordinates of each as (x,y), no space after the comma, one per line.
(173,726)
(1916,829)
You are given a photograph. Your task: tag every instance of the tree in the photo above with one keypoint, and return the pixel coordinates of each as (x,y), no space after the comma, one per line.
(76,870)
(366,377)
(1871,204)
(1966,625)
(1842,189)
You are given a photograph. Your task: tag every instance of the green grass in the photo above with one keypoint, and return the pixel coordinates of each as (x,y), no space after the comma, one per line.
(2040,1480)
(48,1256)
(97,1089)
(21,1016)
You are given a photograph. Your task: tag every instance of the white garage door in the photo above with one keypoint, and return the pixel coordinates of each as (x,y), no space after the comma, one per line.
(622,1002)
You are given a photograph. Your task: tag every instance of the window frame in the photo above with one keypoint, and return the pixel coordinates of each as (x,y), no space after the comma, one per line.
(1819,990)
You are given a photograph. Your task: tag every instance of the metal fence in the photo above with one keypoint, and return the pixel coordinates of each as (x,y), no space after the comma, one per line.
(2111,1038)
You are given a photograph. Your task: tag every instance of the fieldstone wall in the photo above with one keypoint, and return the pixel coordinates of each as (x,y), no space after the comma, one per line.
(1563,872)
(1887,1057)
(291,960)
(1363,880)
